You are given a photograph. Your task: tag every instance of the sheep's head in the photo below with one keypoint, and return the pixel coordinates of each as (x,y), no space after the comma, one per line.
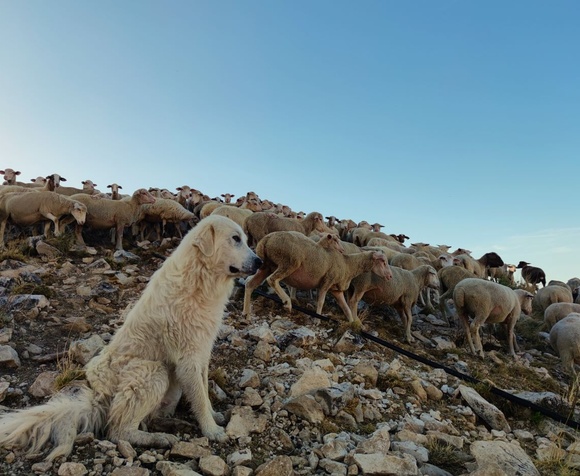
(525,299)
(330,241)
(522,264)
(79,212)
(143,196)
(432,280)
(10,175)
(381,265)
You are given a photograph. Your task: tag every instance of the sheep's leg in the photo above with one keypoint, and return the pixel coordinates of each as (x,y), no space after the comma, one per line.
(476,335)
(252,283)
(79,234)
(353,304)
(119,237)
(465,321)
(408,322)
(274,281)
(340,299)
(2,231)
(511,336)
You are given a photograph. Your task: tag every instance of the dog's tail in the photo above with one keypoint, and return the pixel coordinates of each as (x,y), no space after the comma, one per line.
(56,422)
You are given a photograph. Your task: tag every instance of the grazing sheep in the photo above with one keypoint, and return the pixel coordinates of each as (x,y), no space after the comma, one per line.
(239,215)
(489,303)
(557,311)
(479,267)
(549,295)
(162,212)
(29,208)
(565,339)
(449,277)
(401,292)
(258,225)
(297,260)
(531,274)
(106,214)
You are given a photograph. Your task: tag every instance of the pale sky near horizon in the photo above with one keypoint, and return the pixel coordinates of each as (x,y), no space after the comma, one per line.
(452,122)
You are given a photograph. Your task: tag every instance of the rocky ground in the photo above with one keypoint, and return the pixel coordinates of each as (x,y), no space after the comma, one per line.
(301,395)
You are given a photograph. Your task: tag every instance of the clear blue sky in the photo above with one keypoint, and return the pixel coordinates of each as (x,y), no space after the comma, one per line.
(453,122)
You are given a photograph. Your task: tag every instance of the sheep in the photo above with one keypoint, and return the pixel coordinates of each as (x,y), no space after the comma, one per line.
(489,303)
(400,237)
(29,208)
(573,283)
(118,214)
(37,182)
(565,340)
(386,243)
(227,197)
(449,277)
(345,227)
(557,311)
(239,215)
(162,212)
(479,267)
(532,275)
(503,273)
(358,234)
(88,188)
(549,295)
(258,225)
(297,260)
(407,261)
(10,176)
(209,207)
(115,187)
(401,292)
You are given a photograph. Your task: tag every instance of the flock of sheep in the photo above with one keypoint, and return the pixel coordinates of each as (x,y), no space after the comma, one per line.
(353,261)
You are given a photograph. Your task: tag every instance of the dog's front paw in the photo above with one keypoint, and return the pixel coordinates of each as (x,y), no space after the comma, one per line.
(216,434)
(219,418)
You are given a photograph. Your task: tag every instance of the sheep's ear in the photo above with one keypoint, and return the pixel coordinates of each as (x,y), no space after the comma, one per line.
(205,241)
(17,173)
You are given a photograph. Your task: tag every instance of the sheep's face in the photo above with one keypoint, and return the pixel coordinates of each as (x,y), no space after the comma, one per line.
(79,212)
(432,278)
(143,196)
(330,241)
(381,265)
(10,176)
(446,260)
(525,301)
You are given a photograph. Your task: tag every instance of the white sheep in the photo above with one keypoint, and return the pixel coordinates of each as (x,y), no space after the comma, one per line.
(449,276)
(29,208)
(239,215)
(400,292)
(259,224)
(162,212)
(115,187)
(10,176)
(565,339)
(549,295)
(299,262)
(103,214)
(557,311)
(489,303)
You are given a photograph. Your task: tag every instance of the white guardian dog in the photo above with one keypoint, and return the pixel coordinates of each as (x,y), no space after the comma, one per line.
(162,350)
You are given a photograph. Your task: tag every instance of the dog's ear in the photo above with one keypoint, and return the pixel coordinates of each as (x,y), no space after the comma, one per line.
(205,241)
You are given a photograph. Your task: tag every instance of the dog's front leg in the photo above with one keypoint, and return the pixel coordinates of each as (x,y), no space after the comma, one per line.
(192,376)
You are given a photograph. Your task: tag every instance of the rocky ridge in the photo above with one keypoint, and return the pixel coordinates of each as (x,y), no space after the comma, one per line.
(301,395)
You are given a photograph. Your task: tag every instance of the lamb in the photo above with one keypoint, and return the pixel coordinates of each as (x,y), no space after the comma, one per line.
(297,260)
(258,225)
(449,277)
(532,275)
(239,215)
(565,339)
(402,292)
(105,214)
(29,208)
(557,311)
(549,295)
(479,267)
(162,212)
(489,303)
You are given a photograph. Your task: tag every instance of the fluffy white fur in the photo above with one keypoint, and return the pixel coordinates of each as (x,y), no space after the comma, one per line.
(162,350)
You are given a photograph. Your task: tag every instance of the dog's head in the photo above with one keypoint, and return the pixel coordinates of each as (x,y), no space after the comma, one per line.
(224,241)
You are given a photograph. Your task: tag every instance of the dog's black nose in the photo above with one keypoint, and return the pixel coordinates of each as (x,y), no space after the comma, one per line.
(257,263)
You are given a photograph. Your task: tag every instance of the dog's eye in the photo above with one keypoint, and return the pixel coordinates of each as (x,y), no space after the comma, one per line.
(237,239)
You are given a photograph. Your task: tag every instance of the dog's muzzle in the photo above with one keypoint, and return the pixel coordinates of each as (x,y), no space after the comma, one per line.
(250,266)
